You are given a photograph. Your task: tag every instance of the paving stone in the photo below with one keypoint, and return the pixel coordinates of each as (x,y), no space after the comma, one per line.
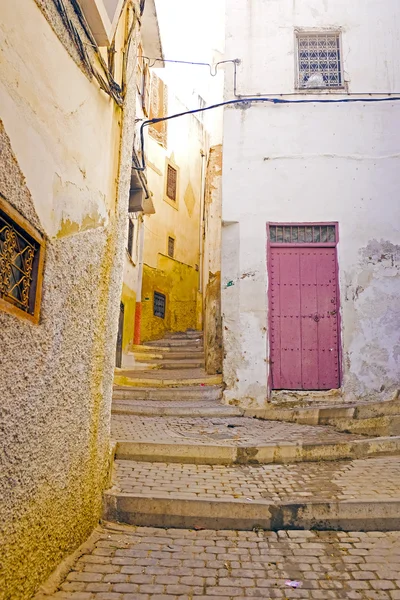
(245,576)
(341,480)
(215,431)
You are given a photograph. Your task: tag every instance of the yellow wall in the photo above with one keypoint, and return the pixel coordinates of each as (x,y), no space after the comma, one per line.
(128,298)
(178,282)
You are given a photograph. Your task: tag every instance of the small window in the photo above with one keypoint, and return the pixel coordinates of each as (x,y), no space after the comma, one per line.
(171,247)
(21,264)
(159,305)
(131,232)
(319,60)
(171,183)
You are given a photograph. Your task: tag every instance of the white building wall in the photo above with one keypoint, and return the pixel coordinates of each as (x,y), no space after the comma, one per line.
(313,162)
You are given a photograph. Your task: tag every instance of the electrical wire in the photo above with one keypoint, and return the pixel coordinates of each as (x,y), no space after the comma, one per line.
(247,102)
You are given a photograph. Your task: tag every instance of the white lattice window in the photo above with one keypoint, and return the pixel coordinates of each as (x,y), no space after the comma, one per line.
(319,60)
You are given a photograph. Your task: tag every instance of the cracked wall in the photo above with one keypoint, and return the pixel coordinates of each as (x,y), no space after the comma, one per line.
(314,162)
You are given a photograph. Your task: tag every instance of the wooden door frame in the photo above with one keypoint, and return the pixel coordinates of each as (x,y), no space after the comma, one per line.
(270,245)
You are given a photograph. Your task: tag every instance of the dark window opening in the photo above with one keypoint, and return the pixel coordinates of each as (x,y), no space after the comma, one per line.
(171,182)
(171,247)
(131,232)
(159,305)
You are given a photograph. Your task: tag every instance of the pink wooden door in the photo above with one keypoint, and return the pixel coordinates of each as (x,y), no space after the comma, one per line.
(303,318)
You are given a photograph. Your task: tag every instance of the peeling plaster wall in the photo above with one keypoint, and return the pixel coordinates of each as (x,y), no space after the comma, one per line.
(313,162)
(212,262)
(178,282)
(65,153)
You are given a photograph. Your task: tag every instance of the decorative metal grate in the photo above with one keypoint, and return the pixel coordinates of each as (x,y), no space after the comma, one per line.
(319,60)
(171,182)
(19,259)
(171,247)
(302,234)
(159,305)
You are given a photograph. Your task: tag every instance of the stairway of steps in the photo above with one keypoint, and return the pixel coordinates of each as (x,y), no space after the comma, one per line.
(185,460)
(169,378)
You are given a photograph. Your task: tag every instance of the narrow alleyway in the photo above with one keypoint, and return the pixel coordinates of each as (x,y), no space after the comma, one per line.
(203,500)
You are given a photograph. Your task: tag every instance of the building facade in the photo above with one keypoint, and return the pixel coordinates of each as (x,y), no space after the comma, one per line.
(311,218)
(163,259)
(66,137)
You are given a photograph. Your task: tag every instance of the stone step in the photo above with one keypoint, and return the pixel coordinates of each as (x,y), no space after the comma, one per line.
(192,363)
(189,335)
(174,343)
(182,393)
(357,495)
(166,378)
(237,440)
(185,408)
(366,418)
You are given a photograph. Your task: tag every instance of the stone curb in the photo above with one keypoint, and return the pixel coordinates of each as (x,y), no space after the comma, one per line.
(207,392)
(179,411)
(150,382)
(327,415)
(142,510)
(209,454)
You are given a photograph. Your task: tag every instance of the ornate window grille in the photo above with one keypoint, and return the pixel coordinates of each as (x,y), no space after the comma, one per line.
(302,234)
(21,264)
(159,305)
(319,60)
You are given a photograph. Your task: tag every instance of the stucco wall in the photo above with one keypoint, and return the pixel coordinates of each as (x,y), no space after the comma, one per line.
(61,150)
(313,162)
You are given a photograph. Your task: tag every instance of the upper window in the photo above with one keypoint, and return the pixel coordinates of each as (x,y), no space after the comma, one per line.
(131,232)
(171,247)
(172,178)
(319,60)
(21,264)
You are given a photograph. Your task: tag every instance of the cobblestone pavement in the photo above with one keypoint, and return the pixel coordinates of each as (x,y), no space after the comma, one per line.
(158,564)
(369,479)
(234,431)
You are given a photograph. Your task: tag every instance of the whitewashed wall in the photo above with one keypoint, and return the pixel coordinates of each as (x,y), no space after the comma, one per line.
(313,162)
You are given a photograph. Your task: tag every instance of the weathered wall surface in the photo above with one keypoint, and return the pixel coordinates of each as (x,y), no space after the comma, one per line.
(313,162)
(212,262)
(178,282)
(61,149)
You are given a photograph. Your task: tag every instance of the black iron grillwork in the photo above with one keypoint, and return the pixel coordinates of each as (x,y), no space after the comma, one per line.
(19,259)
(159,305)
(302,234)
